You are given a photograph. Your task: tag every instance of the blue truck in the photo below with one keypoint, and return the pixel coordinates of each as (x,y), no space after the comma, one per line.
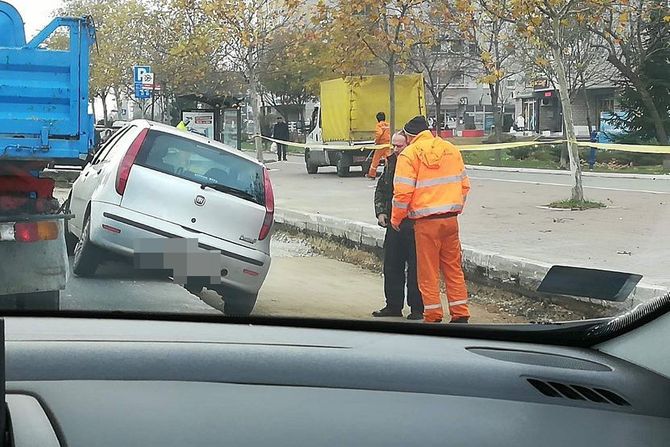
(44,118)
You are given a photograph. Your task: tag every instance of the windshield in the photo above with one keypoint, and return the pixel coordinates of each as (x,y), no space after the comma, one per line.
(412,162)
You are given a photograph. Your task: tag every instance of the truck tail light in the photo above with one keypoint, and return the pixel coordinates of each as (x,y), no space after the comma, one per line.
(269,206)
(35,231)
(127,163)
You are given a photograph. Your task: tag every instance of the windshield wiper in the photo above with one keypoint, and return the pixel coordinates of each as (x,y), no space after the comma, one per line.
(229,190)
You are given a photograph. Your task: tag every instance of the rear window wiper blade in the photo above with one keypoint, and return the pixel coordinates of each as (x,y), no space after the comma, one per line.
(229,190)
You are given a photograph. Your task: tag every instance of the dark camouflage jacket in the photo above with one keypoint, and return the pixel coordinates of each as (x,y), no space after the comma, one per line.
(384,190)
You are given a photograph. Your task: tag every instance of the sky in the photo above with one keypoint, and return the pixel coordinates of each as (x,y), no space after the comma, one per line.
(36,13)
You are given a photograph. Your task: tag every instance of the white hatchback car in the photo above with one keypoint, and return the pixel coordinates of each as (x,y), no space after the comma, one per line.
(151,182)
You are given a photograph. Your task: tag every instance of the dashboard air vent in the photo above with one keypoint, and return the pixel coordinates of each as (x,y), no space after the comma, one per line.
(578,392)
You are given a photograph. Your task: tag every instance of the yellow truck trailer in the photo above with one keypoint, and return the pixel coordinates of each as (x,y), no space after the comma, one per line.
(346,116)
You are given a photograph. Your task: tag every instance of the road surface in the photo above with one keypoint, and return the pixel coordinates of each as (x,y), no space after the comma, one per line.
(506,213)
(299,284)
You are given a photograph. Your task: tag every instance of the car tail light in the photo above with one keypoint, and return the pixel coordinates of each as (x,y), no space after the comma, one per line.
(127,163)
(35,231)
(269,206)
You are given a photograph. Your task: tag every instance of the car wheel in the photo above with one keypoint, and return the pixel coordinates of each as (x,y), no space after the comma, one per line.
(87,257)
(237,303)
(365,167)
(342,167)
(70,239)
(312,168)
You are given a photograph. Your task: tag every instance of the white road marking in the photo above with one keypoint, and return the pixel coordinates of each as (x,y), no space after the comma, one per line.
(603,188)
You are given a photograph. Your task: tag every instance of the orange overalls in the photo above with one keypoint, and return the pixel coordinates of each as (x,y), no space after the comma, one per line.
(430,187)
(382,136)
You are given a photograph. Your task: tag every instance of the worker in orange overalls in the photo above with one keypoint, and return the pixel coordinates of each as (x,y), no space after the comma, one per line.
(382,136)
(430,187)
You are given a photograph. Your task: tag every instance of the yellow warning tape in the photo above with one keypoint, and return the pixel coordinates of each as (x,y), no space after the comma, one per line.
(640,148)
(337,147)
(495,146)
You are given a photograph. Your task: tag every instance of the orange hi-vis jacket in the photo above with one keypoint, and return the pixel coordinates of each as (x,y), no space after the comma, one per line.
(382,133)
(430,180)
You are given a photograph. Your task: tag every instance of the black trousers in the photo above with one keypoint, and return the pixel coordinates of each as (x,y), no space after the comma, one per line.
(281,152)
(400,252)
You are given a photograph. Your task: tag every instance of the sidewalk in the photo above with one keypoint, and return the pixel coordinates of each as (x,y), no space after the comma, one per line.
(568,173)
(507,220)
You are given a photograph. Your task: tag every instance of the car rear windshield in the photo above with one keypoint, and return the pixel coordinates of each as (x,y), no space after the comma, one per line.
(202,163)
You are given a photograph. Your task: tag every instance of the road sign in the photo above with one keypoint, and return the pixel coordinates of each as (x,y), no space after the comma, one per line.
(139,71)
(141,93)
(148,81)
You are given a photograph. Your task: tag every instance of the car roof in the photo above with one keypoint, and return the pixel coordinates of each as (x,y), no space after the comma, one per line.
(192,136)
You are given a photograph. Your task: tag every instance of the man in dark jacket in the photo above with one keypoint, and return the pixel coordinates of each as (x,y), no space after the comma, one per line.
(280,132)
(399,247)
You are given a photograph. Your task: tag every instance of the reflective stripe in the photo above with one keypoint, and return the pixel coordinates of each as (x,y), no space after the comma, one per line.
(451,208)
(432,306)
(457,303)
(440,181)
(402,206)
(404,180)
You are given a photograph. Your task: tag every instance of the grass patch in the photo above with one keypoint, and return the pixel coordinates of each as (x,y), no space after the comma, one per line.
(576,205)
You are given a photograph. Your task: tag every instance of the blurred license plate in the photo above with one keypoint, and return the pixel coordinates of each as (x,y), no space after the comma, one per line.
(360,159)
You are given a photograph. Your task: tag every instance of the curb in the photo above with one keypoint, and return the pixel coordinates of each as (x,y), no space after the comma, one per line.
(522,274)
(560,172)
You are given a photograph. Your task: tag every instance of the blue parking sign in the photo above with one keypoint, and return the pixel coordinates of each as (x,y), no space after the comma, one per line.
(138,71)
(140,93)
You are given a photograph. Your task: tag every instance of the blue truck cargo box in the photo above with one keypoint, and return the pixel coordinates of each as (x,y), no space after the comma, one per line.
(44,92)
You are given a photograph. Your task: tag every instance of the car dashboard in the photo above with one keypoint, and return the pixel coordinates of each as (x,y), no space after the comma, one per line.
(106,382)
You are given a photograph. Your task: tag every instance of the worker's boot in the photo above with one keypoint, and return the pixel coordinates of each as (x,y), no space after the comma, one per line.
(386,312)
(462,320)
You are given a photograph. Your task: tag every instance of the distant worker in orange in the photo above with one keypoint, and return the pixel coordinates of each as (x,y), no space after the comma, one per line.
(430,187)
(382,136)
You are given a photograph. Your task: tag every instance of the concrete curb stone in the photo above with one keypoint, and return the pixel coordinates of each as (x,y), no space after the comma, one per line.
(522,274)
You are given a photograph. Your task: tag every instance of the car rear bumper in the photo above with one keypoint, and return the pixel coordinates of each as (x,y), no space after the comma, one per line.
(117,229)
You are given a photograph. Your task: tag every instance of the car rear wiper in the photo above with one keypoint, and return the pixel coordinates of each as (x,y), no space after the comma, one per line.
(229,190)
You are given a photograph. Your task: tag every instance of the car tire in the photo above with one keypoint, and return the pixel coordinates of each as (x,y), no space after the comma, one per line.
(237,303)
(342,167)
(70,239)
(365,167)
(87,257)
(312,168)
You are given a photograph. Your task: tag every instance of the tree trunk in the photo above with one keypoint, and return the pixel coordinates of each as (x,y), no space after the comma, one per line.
(95,119)
(647,100)
(438,114)
(589,121)
(104,110)
(392,96)
(496,113)
(256,110)
(117,99)
(568,123)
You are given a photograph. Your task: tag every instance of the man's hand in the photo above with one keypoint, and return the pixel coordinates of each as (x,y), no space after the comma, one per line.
(383,220)
(396,227)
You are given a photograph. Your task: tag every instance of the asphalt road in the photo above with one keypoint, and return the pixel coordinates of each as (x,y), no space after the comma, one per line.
(300,284)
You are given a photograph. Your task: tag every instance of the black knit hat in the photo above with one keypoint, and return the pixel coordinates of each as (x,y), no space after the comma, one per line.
(416,125)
